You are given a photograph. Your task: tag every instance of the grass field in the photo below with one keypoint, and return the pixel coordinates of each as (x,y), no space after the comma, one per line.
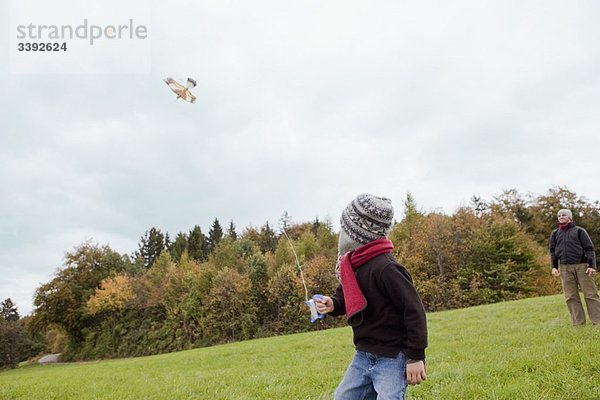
(515,350)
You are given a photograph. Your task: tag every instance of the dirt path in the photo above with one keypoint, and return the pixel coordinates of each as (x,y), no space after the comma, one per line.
(50,358)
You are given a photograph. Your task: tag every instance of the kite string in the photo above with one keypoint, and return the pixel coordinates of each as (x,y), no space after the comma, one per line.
(297,263)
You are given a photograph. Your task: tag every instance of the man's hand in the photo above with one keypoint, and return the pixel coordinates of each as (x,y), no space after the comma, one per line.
(324,305)
(555,272)
(415,373)
(591,272)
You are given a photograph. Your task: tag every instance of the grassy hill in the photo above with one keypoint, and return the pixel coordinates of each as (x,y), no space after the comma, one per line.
(515,350)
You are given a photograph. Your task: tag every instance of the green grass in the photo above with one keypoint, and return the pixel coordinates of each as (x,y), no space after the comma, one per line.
(515,350)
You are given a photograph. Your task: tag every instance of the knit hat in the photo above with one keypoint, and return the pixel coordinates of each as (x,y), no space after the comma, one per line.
(566,212)
(365,219)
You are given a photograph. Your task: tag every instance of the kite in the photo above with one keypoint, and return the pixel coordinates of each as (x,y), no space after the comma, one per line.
(182,92)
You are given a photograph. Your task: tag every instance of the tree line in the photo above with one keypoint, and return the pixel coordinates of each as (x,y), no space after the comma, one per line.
(200,290)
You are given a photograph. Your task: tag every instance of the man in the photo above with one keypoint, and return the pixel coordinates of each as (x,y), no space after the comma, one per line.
(380,303)
(574,260)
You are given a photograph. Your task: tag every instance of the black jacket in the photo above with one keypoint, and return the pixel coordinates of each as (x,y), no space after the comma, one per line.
(572,246)
(394,318)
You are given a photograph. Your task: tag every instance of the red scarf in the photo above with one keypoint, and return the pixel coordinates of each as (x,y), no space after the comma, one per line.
(564,227)
(351,261)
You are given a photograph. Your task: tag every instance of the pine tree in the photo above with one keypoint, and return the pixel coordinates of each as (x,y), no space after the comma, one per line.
(8,310)
(215,235)
(402,233)
(178,246)
(410,206)
(231,231)
(150,246)
(268,240)
(197,244)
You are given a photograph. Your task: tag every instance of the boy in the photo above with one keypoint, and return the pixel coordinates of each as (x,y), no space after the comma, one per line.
(381,304)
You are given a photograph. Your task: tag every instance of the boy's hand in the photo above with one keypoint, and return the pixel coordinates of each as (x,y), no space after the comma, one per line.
(415,373)
(555,272)
(324,305)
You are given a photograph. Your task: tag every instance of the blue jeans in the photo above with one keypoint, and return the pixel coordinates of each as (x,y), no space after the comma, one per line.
(372,377)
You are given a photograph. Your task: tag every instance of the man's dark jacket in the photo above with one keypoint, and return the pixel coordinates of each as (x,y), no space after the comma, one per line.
(394,319)
(572,246)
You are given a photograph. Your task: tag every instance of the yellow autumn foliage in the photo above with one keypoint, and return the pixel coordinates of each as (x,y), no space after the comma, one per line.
(112,295)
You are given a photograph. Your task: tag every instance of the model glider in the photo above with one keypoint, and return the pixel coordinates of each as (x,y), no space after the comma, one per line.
(182,92)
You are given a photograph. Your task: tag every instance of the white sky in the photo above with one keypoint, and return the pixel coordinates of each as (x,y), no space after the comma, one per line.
(301,106)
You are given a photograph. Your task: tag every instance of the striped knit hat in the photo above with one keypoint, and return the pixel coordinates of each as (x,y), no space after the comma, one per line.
(365,219)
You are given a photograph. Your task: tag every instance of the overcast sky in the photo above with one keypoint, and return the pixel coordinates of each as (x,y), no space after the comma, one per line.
(301,106)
